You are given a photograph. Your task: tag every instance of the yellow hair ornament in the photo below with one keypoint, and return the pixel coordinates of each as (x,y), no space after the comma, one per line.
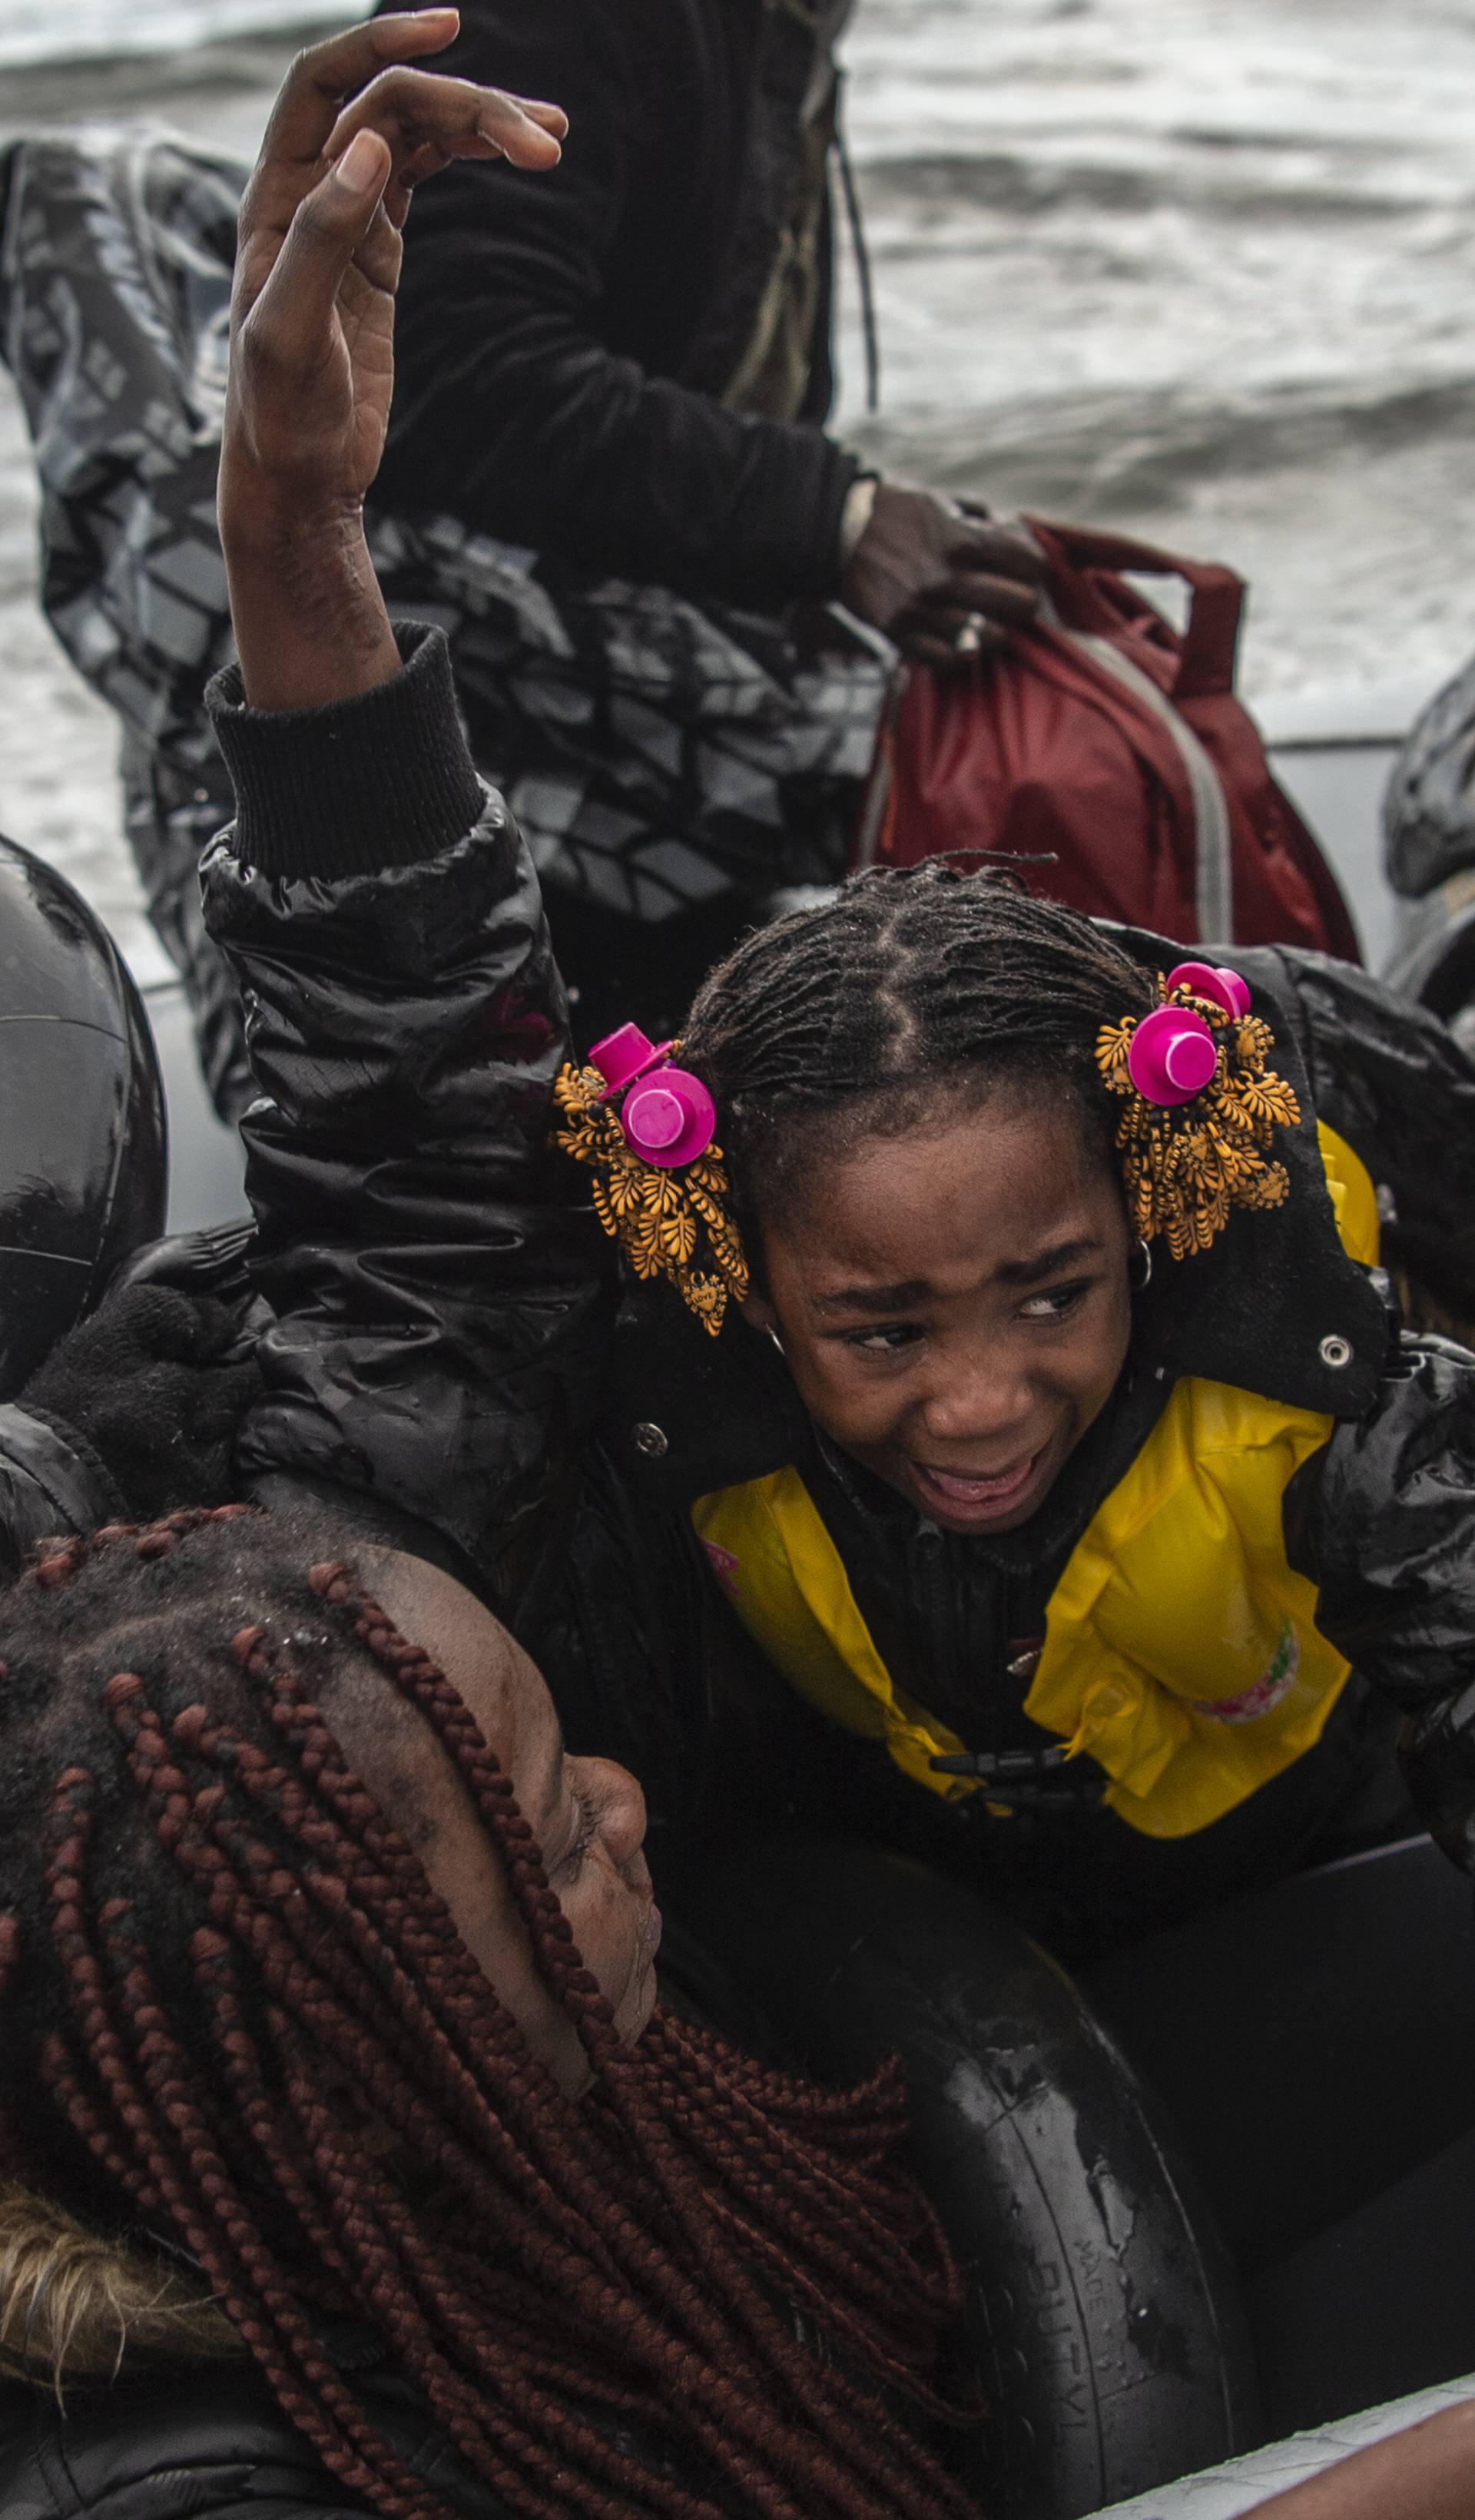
(645,1129)
(1201,1108)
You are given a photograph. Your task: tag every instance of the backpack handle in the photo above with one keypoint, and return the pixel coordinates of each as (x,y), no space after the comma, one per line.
(1206,655)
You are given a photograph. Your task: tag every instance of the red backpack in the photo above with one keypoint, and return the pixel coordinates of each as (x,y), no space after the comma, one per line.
(1103,739)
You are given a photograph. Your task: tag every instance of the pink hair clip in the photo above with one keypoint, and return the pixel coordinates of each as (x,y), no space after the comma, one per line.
(1214,981)
(1174,1052)
(668,1114)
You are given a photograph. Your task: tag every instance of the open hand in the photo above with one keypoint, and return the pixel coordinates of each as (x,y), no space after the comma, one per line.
(312,341)
(312,317)
(942,578)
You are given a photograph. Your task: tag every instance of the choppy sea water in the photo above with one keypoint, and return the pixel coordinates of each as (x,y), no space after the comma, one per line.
(1200,268)
(108,31)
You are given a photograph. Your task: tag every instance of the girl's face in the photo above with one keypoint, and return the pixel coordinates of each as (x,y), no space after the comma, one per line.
(954,1304)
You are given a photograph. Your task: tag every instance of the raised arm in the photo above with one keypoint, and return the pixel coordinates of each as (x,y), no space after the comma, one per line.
(404,1014)
(354,130)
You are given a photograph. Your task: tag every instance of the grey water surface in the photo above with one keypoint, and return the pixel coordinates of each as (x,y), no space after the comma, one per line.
(1200,269)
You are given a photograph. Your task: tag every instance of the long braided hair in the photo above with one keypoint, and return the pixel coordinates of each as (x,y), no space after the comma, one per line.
(914,985)
(211,1939)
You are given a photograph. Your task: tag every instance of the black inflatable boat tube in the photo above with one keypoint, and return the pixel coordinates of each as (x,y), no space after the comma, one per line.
(1106,2318)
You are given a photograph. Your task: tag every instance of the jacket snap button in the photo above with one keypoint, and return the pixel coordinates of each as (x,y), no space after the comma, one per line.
(1335,1352)
(651,1440)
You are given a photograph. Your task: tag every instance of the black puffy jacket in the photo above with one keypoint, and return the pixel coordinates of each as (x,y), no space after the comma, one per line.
(205,2441)
(50,1481)
(199,2444)
(451,1343)
(563,342)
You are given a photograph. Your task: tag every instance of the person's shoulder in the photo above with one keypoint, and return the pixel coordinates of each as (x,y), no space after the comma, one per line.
(205,2442)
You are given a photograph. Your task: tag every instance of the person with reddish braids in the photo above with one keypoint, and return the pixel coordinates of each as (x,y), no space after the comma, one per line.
(346,2165)
(371,2180)
(996,1434)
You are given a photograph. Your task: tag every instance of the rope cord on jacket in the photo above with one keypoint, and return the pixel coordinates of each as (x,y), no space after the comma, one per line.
(211,1939)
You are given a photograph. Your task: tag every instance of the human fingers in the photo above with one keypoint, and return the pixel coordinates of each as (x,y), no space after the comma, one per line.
(998,551)
(325,74)
(997,599)
(429,119)
(294,314)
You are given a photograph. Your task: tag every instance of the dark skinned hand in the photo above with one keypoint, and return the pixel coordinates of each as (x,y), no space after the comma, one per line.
(928,571)
(354,130)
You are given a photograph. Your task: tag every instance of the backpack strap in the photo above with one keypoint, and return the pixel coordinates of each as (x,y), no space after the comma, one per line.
(1207,650)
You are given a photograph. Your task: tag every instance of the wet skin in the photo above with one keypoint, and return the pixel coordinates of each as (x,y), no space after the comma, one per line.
(954,1304)
(587,1814)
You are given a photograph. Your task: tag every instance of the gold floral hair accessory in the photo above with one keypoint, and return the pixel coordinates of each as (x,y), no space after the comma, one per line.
(1201,1108)
(644,1128)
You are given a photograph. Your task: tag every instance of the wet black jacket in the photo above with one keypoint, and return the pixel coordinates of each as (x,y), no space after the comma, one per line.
(452,1345)
(202,2444)
(561,339)
(51,1481)
(207,2441)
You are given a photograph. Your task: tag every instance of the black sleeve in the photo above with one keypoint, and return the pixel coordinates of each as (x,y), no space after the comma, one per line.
(233,2492)
(1391,1078)
(513,412)
(1384,1522)
(51,1481)
(204,2442)
(439,1307)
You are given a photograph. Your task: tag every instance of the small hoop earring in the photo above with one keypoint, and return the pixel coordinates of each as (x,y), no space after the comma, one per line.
(1141,1254)
(778,1343)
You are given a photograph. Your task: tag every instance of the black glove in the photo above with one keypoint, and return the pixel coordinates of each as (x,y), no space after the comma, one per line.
(154,1383)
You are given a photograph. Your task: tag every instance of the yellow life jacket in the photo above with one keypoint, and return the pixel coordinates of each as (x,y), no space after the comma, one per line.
(1181,1649)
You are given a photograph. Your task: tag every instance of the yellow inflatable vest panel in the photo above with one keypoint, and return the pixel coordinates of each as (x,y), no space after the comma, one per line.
(1179,1649)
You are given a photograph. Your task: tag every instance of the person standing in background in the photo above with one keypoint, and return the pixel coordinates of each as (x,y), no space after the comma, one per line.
(610,481)
(616,381)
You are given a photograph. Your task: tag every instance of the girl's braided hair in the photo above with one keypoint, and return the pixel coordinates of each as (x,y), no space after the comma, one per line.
(211,1939)
(853,1019)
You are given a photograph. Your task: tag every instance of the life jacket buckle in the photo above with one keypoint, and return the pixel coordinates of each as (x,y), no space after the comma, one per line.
(1027,1780)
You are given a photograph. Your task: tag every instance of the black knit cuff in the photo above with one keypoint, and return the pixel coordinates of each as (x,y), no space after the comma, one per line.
(382,779)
